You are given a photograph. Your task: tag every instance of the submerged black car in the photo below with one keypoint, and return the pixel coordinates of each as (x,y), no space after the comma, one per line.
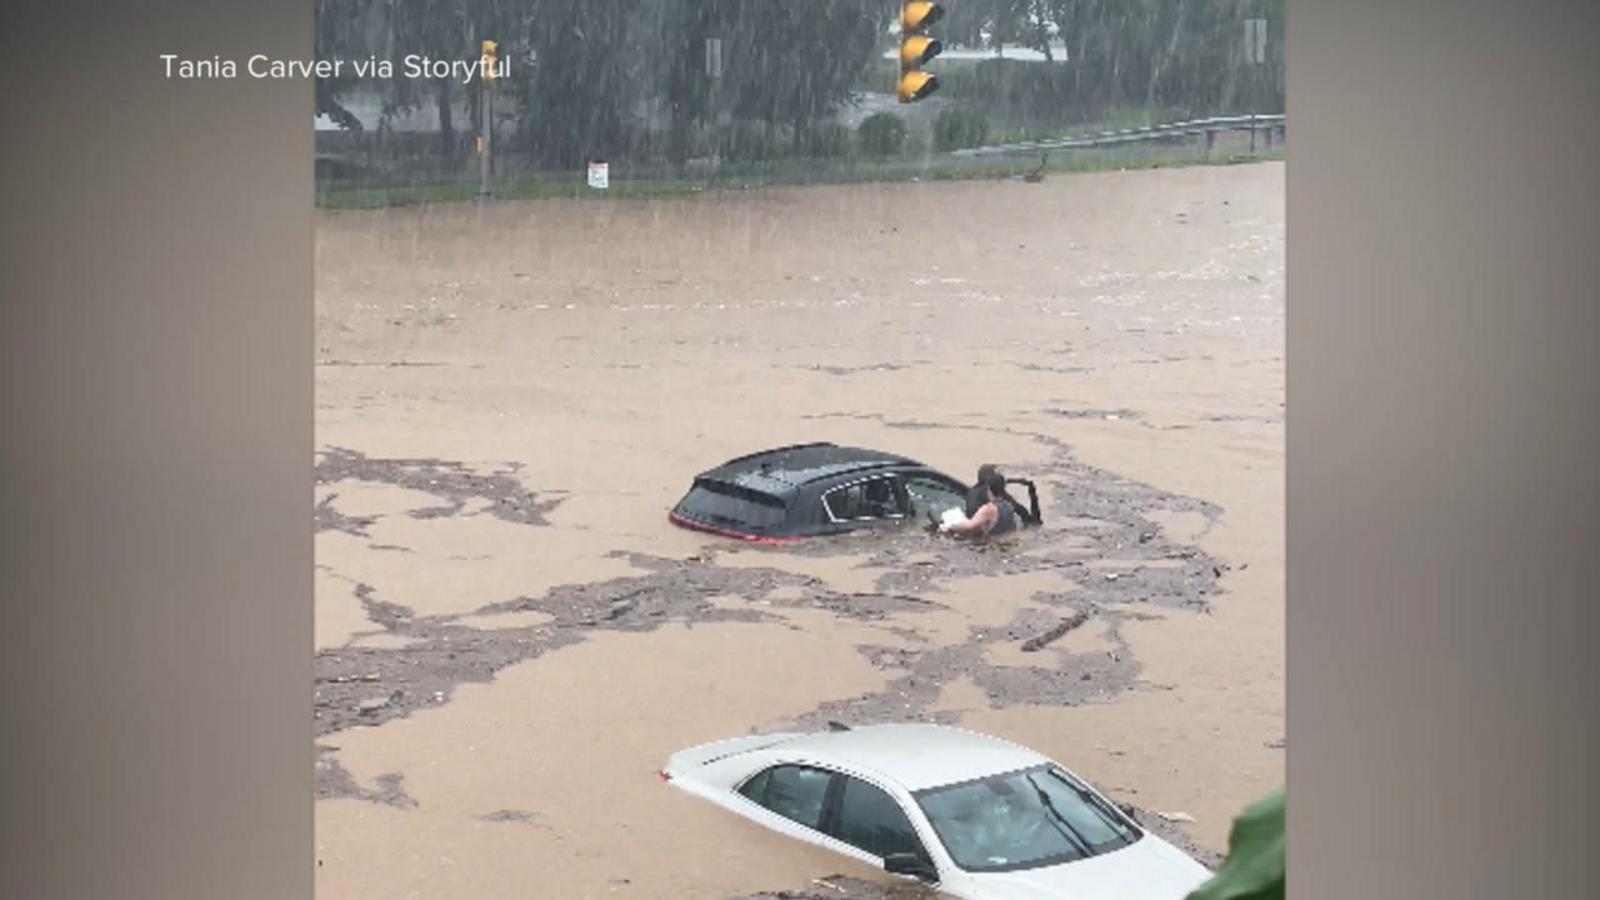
(817,489)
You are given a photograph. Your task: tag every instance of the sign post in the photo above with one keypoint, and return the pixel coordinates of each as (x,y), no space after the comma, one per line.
(714,74)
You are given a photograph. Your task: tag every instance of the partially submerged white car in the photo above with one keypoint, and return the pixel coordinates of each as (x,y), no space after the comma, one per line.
(979,817)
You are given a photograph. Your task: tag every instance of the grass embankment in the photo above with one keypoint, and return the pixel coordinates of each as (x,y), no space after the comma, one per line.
(628,181)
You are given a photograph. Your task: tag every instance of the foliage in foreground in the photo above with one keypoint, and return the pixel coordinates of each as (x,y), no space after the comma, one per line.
(1254,869)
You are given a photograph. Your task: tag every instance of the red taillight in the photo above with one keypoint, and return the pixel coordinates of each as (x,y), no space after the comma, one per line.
(712,529)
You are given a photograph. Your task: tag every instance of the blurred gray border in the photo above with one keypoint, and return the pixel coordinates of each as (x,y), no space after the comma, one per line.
(155,314)
(1444,402)
(155,564)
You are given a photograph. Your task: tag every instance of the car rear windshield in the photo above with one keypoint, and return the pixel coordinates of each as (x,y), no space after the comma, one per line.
(731,506)
(1022,820)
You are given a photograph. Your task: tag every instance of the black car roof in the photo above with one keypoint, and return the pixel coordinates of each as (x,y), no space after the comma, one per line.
(784,468)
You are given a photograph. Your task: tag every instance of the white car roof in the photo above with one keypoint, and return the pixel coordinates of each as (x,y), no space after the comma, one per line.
(917,756)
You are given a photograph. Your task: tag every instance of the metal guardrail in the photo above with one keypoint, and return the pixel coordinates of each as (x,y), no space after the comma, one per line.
(1252,123)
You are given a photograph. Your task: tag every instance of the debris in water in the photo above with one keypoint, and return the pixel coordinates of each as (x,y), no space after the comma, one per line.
(1067,624)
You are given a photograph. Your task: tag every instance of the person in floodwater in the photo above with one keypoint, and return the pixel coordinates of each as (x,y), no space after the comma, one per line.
(994,516)
(988,474)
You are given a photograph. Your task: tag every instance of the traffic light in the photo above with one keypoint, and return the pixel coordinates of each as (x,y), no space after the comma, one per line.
(491,50)
(916,48)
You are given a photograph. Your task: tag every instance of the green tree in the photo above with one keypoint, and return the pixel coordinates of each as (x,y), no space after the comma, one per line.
(580,98)
(340,34)
(793,63)
(438,29)
(1166,52)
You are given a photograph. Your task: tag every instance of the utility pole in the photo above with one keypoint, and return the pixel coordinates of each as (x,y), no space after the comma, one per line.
(1255,56)
(714,74)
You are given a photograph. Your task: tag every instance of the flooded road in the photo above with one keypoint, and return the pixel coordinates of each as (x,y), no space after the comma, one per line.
(512,639)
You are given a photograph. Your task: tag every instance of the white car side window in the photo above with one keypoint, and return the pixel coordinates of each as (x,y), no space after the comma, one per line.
(797,793)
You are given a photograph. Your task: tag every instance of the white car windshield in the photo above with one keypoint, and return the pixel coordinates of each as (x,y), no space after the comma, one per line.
(1023,820)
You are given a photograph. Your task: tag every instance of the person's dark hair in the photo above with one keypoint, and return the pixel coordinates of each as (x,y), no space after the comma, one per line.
(986,472)
(996,481)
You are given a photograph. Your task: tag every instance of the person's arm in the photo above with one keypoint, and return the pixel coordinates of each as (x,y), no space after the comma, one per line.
(985,519)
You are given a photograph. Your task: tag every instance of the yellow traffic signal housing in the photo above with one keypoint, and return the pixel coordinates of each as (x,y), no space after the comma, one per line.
(917,48)
(490,58)
(915,85)
(917,16)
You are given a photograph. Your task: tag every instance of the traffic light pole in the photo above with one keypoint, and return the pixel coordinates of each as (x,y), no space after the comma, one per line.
(486,76)
(485,133)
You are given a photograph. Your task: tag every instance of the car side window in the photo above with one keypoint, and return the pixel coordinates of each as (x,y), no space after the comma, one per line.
(869,819)
(875,498)
(797,793)
(842,502)
(928,495)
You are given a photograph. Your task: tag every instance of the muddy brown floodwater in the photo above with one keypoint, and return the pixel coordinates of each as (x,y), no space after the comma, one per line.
(511,638)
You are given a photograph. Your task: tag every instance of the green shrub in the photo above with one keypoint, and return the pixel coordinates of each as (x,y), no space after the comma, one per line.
(960,126)
(825,140)
(882,134)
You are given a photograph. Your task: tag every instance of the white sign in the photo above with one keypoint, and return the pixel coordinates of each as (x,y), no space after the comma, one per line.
(714,57)
(1255,40)
(599,175)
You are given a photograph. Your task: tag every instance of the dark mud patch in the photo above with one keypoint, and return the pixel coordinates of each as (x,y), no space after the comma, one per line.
(855,370)
(1054,370)
(1247,419)
(452,482)
(1108,414)
(511,817)
(333,780)
(326,518)
(396,364)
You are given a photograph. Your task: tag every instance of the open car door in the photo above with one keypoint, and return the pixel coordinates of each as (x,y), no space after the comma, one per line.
(1029,516)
